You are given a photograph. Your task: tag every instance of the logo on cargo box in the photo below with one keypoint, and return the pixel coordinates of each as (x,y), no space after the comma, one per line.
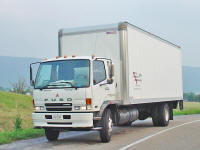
(137,78)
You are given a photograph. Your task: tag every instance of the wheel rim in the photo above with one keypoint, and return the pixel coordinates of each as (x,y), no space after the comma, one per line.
(110,124)
(166,114)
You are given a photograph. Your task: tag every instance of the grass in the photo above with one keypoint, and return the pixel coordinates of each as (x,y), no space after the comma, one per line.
(11,106)
(19,134)
(189,108)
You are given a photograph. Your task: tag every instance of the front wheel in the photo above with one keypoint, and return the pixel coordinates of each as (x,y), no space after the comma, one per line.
(51,135)
(106,123)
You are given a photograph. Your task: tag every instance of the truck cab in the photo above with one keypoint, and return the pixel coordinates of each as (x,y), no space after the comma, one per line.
(70,91)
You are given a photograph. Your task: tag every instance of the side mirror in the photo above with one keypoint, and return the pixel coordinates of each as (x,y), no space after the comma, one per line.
(32,83)
(111,71)
(110,81)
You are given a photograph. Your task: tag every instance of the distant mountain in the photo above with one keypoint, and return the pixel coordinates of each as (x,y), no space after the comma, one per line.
(13,68)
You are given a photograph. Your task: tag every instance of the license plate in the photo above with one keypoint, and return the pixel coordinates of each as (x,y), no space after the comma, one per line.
(57,117)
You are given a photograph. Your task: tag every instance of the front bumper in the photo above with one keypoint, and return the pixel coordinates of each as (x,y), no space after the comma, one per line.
(76,120)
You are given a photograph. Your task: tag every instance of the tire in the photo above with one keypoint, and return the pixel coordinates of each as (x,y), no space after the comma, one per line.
(51,135)
(161,115)
(106,123)
(164,114)
(155,117)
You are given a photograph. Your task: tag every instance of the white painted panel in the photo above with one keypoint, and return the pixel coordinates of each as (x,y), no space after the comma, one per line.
(154,68)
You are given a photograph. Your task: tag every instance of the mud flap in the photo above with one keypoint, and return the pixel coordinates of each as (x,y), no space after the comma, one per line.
(171,114)
(181,104)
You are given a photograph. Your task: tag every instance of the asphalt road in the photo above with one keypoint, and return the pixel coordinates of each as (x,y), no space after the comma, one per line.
(183,133)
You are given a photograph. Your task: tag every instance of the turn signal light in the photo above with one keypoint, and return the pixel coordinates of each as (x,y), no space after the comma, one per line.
(88,101)
(123,26)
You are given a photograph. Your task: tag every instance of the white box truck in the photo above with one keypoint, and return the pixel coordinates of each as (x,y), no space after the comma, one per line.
(104,76)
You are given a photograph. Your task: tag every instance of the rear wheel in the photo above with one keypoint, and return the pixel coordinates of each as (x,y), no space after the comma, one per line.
(161,115)
(155,116)
(165,113)
(51,135)
(106,123)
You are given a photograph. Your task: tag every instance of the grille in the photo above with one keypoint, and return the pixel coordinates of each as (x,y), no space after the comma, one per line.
(58,106)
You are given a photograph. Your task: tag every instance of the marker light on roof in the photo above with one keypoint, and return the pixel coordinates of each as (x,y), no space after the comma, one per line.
(65,56)
(73,55)
(93,56)
(57,57)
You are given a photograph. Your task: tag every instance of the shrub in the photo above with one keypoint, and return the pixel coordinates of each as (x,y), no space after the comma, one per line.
(18,122)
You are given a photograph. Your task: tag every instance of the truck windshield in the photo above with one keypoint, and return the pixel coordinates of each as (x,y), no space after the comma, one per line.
(65,73)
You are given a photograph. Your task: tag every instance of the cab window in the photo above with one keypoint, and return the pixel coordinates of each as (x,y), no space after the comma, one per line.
(99,73)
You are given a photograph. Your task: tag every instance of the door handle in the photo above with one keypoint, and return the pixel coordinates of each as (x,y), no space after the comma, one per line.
(107,88)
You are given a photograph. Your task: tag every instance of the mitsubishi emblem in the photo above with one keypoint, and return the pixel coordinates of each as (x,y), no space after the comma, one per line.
(57,95)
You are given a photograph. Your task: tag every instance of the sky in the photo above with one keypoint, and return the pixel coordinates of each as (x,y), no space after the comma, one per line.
(29,28)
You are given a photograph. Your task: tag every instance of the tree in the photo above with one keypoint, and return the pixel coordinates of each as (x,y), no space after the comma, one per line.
(20,86)
(197,98)
(191,97)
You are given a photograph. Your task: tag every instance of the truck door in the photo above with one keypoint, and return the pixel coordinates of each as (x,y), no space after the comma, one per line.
(100,88)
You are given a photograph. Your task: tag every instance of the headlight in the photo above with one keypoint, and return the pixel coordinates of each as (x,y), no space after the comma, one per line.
(89,107)
(37,108)
(83,107)
(79,107)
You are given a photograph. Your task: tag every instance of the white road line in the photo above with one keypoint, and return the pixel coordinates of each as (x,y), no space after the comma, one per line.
(150,136)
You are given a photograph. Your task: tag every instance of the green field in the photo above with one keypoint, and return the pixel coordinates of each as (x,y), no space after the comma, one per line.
(189,108)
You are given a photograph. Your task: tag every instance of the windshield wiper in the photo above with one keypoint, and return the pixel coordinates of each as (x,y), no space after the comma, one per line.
(57,84)
(72,85)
